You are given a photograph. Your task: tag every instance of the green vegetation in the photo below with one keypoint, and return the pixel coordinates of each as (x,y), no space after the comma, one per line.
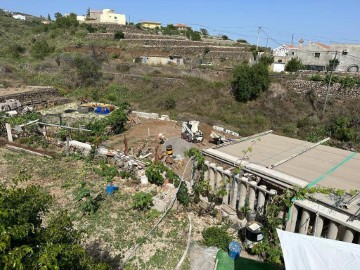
(87,202)
(27,244)
(142,201)
(41,49)
(119,35)
(250,81)
(294,65)
(216,237)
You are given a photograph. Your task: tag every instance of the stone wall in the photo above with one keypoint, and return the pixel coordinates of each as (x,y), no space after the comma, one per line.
(38,93)
(319,89)
(136,36)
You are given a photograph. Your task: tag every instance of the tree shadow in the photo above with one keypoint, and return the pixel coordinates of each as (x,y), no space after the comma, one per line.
(102,253)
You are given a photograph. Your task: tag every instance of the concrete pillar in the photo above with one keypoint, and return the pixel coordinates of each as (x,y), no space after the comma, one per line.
(226,179)
(304,222)
(261,200)
(348,236)
(319,224)
(234,193)
(291,223)
(243,191)
(333,230)
(218,178)
(212,176)
(207,170)
(8,130)
(252,195)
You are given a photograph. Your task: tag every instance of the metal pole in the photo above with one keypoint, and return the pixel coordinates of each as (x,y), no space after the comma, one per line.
(328,87)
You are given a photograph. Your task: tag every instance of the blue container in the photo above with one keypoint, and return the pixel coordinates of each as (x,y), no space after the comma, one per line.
(110,189)
(234,250)
(102,110)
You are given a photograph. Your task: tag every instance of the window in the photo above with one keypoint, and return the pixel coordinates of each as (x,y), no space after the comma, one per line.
(317,55)
(279,61)
(115,18)
(292,53)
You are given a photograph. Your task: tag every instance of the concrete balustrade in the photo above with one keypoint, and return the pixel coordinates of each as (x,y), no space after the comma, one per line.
(291,224)
(243,191)
(261,200)
(218,178)
(227,179)
(207,170)
(304,222)
(252,195)
(212,176)
(348,236)
(319,225)
(333,230)
(234,193)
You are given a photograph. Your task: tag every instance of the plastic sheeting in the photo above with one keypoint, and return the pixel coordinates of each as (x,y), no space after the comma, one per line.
(302,252)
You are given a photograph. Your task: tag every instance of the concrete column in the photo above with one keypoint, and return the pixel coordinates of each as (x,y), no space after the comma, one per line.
(291,223)
(333,230)
(319,224)
(8,130)
(348,236)
(261,200)
(252,195)
(304,222)
(358,239)
(212,176)
(219,177)
(207,170)
(234,193)
(226,179)
(243,191)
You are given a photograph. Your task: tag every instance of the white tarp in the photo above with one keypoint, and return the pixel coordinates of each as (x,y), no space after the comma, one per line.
(303,252)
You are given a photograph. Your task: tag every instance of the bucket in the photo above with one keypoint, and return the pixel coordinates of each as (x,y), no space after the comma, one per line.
(234,250)
(169,150)
(110,189)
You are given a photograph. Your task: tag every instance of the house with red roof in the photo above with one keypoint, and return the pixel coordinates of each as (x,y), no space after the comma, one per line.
(181,26)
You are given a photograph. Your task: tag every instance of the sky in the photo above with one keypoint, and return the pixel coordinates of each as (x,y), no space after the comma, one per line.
(326,21)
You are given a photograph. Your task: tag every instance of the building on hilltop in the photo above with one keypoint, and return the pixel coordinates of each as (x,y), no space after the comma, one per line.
(104,16)
(150,25)
(181,27)
(19,17)
(281,56)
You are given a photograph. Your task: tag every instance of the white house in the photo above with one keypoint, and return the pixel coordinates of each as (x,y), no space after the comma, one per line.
(19,17)
(282,55)
(106,16)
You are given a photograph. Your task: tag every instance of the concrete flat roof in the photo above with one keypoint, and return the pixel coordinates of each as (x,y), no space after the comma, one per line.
(323,165)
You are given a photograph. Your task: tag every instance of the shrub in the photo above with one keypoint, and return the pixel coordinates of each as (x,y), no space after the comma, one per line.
(266,60)
(153,173)
(170,104)
(15,50)
(348,82)
(142,201)
(87,202)
(107,171)
(316,78)
(249,81)
(183,195)
(294,65)
(41,49)
(341,129)
(119,35)
(224,37)
(88,70)
(216,237)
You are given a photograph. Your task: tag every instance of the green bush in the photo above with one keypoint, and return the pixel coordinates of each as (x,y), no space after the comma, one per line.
(183,195)
(267,60)
(341,129)
(88,70)
(249,81)
(348,82)
(316,78)
(142,201)
(41,49)
(27,242)
(16,50)
(119,35)
(170,104)
(87,203)
(154,174)
(107,171)
(294,65)
(216,237)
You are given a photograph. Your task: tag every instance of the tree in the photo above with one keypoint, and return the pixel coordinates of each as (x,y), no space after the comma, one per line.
(294,65)
(49,18)
(267,60)
(65,21)
(333,63)
(249,81)
(41,49)
(27,244)
(204,32)
(224,37)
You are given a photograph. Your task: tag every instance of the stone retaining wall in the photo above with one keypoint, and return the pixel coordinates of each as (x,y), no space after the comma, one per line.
(319,88)
(40,93)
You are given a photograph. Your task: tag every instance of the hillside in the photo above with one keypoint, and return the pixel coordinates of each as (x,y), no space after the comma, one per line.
(85,61)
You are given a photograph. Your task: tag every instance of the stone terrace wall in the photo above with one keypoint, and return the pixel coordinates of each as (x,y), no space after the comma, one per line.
(38,93)
(112,28)
(319,88)
(135,36)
